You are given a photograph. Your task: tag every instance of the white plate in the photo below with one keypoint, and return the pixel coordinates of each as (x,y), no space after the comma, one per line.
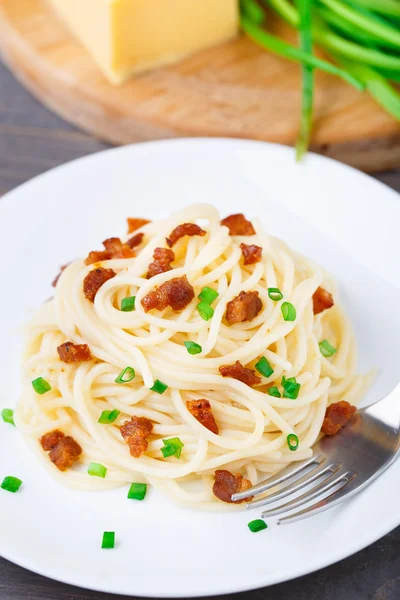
(344,219)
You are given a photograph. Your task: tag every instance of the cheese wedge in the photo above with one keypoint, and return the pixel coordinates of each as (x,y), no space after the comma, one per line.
(130,36)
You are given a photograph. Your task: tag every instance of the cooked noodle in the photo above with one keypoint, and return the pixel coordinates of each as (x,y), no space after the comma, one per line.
(253,426)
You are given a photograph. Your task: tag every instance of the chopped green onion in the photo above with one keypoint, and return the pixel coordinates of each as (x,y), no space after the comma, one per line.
(11,484)
(273,391)
(288,311)
(41,386)
(128,304)
(8,416)
(193,348)
(137,491)
(326,349)
(264,368)
(108,540)
(292,441)
(208,295)
(275,294)
(126,375)
(159,387)
(172,447)
(205,311)
(290,388)
(109,416)
(97,470)
(257,525)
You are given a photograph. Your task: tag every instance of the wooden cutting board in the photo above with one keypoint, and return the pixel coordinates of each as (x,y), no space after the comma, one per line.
(234,90)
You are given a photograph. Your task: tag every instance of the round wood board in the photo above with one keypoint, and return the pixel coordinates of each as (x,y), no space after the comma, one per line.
(233,90)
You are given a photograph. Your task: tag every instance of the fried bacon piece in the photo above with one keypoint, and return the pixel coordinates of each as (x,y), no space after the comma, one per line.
(245,307)
(74,353)
(134,224)
(114,248)
(201,410)
(182,230)
(54,284)
(163,257)
(238,371)
(135,433)
(94,280)
(176,293)
(251,254)
(226,484)
(238,225)
(336,417)
(135,240)
(322,299)
(63,449)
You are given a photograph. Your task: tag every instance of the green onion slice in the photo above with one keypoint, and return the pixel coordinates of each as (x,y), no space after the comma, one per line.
(288,311)
(292,441)
(108,540)
(8,416)
(41,386)
(275,294)
(137,491)
(126,375)
(205,311)
(326,349)
(291,388)
(208,295)
(11,484)
(172,447)
(128,304)
(109,416)
(97,470)
(159,387)
(264,368)
(257,525)
(193,348)
(273,391)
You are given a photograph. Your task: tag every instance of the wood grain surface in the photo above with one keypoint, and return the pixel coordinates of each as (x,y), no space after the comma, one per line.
(32,140)
(233,90)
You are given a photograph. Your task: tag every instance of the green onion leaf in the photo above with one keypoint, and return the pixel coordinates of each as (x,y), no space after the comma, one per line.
(264,368)
(291,388)
(292,441)
(108,540)
(97,470)
(253,11)
(159,387)
(275,294)
(288,311)
(205,311)
(257,525)
(326,349)
(137,491)
(8,416)
(41,386)
(128,304)
(208,295)
(273,391)
(193,348)
(126,375)
(172,447)
(109,416)
(11,484)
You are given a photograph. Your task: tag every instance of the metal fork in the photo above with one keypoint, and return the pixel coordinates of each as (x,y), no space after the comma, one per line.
(342,465)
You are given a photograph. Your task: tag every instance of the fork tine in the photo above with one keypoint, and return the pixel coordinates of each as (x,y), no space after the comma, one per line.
(316,491)
(299,484)
(282,477)
(337,496)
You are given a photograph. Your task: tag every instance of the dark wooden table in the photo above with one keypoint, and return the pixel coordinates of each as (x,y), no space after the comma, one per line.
(32,140)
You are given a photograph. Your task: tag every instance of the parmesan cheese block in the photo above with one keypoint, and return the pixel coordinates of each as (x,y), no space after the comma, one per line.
(129,36)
